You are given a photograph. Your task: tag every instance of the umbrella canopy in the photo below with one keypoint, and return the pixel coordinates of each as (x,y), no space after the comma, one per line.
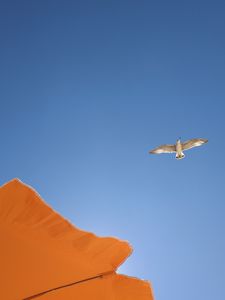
(43,256)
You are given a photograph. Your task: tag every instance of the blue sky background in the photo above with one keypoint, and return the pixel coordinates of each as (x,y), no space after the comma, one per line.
(87,89)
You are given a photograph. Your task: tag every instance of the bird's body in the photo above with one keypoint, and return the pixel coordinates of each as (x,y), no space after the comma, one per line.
(179,147)
(179,150)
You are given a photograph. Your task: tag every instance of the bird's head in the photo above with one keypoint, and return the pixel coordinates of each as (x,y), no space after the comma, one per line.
(179,139)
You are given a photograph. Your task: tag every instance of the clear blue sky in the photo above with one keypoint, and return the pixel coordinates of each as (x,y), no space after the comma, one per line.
(87,88)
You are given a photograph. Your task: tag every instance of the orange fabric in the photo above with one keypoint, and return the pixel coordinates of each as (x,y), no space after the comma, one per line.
(110,287)
(41,251)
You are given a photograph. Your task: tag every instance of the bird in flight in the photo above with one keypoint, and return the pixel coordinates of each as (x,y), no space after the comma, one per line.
(179,147)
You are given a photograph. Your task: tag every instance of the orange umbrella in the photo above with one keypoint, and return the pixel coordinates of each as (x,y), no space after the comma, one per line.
(43,256)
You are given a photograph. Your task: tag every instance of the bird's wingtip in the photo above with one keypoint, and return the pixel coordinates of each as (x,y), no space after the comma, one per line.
(204,141)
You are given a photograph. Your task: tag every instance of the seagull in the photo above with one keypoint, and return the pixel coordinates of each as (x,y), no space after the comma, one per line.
(179,147)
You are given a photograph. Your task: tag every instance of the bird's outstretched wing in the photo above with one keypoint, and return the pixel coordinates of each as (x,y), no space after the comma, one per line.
(193,143)
(164,149)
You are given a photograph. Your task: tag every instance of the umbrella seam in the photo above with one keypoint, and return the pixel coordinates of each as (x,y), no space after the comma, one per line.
(67,285)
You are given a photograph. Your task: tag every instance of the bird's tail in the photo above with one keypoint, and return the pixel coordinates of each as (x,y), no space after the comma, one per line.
(180,155)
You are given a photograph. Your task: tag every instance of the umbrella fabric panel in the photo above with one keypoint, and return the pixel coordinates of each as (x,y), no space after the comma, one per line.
(21,205)
(108,287)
